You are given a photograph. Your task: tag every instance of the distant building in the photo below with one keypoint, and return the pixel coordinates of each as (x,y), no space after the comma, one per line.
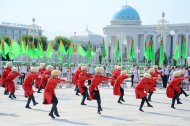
(15,31)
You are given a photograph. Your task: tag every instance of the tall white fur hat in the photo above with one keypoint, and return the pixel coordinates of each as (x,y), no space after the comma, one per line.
(42,64)
(40,67)
(34,69)
(124,72)
(8,64)
(49,67)
(155,66)
(147,75)
(84,68)
(55,72)
(99,70)
(15,69)
(119,67)
(80,65)
(151,70)
(177,73)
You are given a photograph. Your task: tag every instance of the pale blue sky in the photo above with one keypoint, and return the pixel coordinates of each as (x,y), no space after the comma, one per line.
(64,17)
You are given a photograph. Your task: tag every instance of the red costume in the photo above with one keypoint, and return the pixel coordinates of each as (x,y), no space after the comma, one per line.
(151,85)
(10,84)
(81,82)
(174,85)
(97,79)
(5,73)
(115,75)
(118,82)
(27,85)
(76,76)
(45,77)
(49,89)
(157,73)
(38,81)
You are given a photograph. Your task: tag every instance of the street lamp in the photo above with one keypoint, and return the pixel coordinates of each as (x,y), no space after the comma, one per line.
(172,33)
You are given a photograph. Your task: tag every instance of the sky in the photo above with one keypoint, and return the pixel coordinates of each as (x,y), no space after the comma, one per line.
(64,17)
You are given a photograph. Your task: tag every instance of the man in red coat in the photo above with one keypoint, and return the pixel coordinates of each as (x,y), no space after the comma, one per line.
(10,83)
(46,75)
(38,80)
(76,78)
(140,90)
(173,90)
(27,86)
(6,71)
(94,90)
(49,94)
(43,65)
(83,76)
(115,74)
(117,89)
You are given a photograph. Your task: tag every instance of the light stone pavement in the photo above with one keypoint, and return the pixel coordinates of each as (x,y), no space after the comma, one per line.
(13,112)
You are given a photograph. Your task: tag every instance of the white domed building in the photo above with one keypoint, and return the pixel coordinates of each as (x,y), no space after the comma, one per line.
(83,38)
(126,26)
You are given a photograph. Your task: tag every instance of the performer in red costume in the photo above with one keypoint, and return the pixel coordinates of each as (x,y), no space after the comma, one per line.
(76,78)
(139,90)
(6,71)
(43,65)
(118,90)
(115,74)
(49,94)
(150,88)
(83,76)
(94,90)
(173,90)
(10,84)
(27,86)
(46,75)
(157,72)
(38,80)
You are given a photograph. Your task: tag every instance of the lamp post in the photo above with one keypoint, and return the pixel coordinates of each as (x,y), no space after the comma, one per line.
(172,33)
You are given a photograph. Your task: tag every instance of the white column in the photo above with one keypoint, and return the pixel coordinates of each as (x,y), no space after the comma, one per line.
(136,44)
(121,47)
(107,42)
(155,42)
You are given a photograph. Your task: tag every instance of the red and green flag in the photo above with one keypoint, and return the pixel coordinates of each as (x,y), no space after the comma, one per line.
(162,57)
(50,50)
(184,52)
(132,51)
(117,52)
(15,50)
(177,52)
(5,48)
(80,50)
(89,52)
(104,49)
(70,50)
(145,50)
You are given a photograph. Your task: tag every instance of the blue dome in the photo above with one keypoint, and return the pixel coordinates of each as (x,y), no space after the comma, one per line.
(126,13)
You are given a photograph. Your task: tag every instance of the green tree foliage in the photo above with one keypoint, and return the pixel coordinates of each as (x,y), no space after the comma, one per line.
(65,40)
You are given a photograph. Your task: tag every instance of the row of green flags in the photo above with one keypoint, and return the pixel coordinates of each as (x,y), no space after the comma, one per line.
(177,50)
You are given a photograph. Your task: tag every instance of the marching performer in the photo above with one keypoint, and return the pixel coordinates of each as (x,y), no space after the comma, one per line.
(43,65)
(173,90)
(94,90)
(46,75)
(83,76)
(38,80)
(27,86)
(10,84)
(115,74)
(49,94)
(140,88)
(118,90)
(6,71)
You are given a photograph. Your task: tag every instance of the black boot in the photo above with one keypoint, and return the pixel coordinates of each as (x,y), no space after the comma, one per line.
(28,103)
(39,89)
(33,100)
(150,95)
(178,101)
(122,99)
(56,112)
(13,94)
(141,105)
(173,102)
(119,100)
(10,96)
(51,112)
(6,92)
(148,104)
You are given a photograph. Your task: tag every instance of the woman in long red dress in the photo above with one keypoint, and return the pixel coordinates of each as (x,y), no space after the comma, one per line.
(115,74)
(140,90)
(118,90)
(10,84)
(27,86)
(6,71)
(49,94)
(94,90)
(76,78)
(173,90)
(83,76)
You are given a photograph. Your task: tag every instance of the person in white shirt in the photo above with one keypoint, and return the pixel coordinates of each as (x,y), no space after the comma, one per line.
(165,72)
(23,70)
(132,75)
(136,74)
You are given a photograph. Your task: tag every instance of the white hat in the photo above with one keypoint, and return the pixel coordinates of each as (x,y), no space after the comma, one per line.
(188,61)
(34,69)
(155,66)
(124,72)
(99,70)
(147,75)
(84,68)
(40,67)
(151,70)
(119,67)
(8,64)
(80,65)
(177,73)
(15,69)
(49,67)
(55,73)
(42,64)
(182,72)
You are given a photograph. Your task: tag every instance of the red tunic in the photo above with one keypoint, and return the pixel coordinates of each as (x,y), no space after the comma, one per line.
(140,88)
(118,82)
(76,76)
(174,86)
(157,73)
(38,80)
(27,85)
(96,80)
(10,84)
(43,70)
(45,77)
(115,76)
(81,82)
(151,85)
(49,89)
(5,73)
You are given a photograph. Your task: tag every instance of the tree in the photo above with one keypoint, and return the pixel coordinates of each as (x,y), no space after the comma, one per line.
(65,40)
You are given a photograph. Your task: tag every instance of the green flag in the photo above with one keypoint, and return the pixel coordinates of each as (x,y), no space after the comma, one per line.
(104,49)
(15,50)
(145,50)
(50,50)
(23,46)
(80,50)
(70,50)
(177,52)
(184,54)
(89,51)
(152,54)
(117,52)
(40,49)
(132,51)
(61,48)
(162,57)
(5,48)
